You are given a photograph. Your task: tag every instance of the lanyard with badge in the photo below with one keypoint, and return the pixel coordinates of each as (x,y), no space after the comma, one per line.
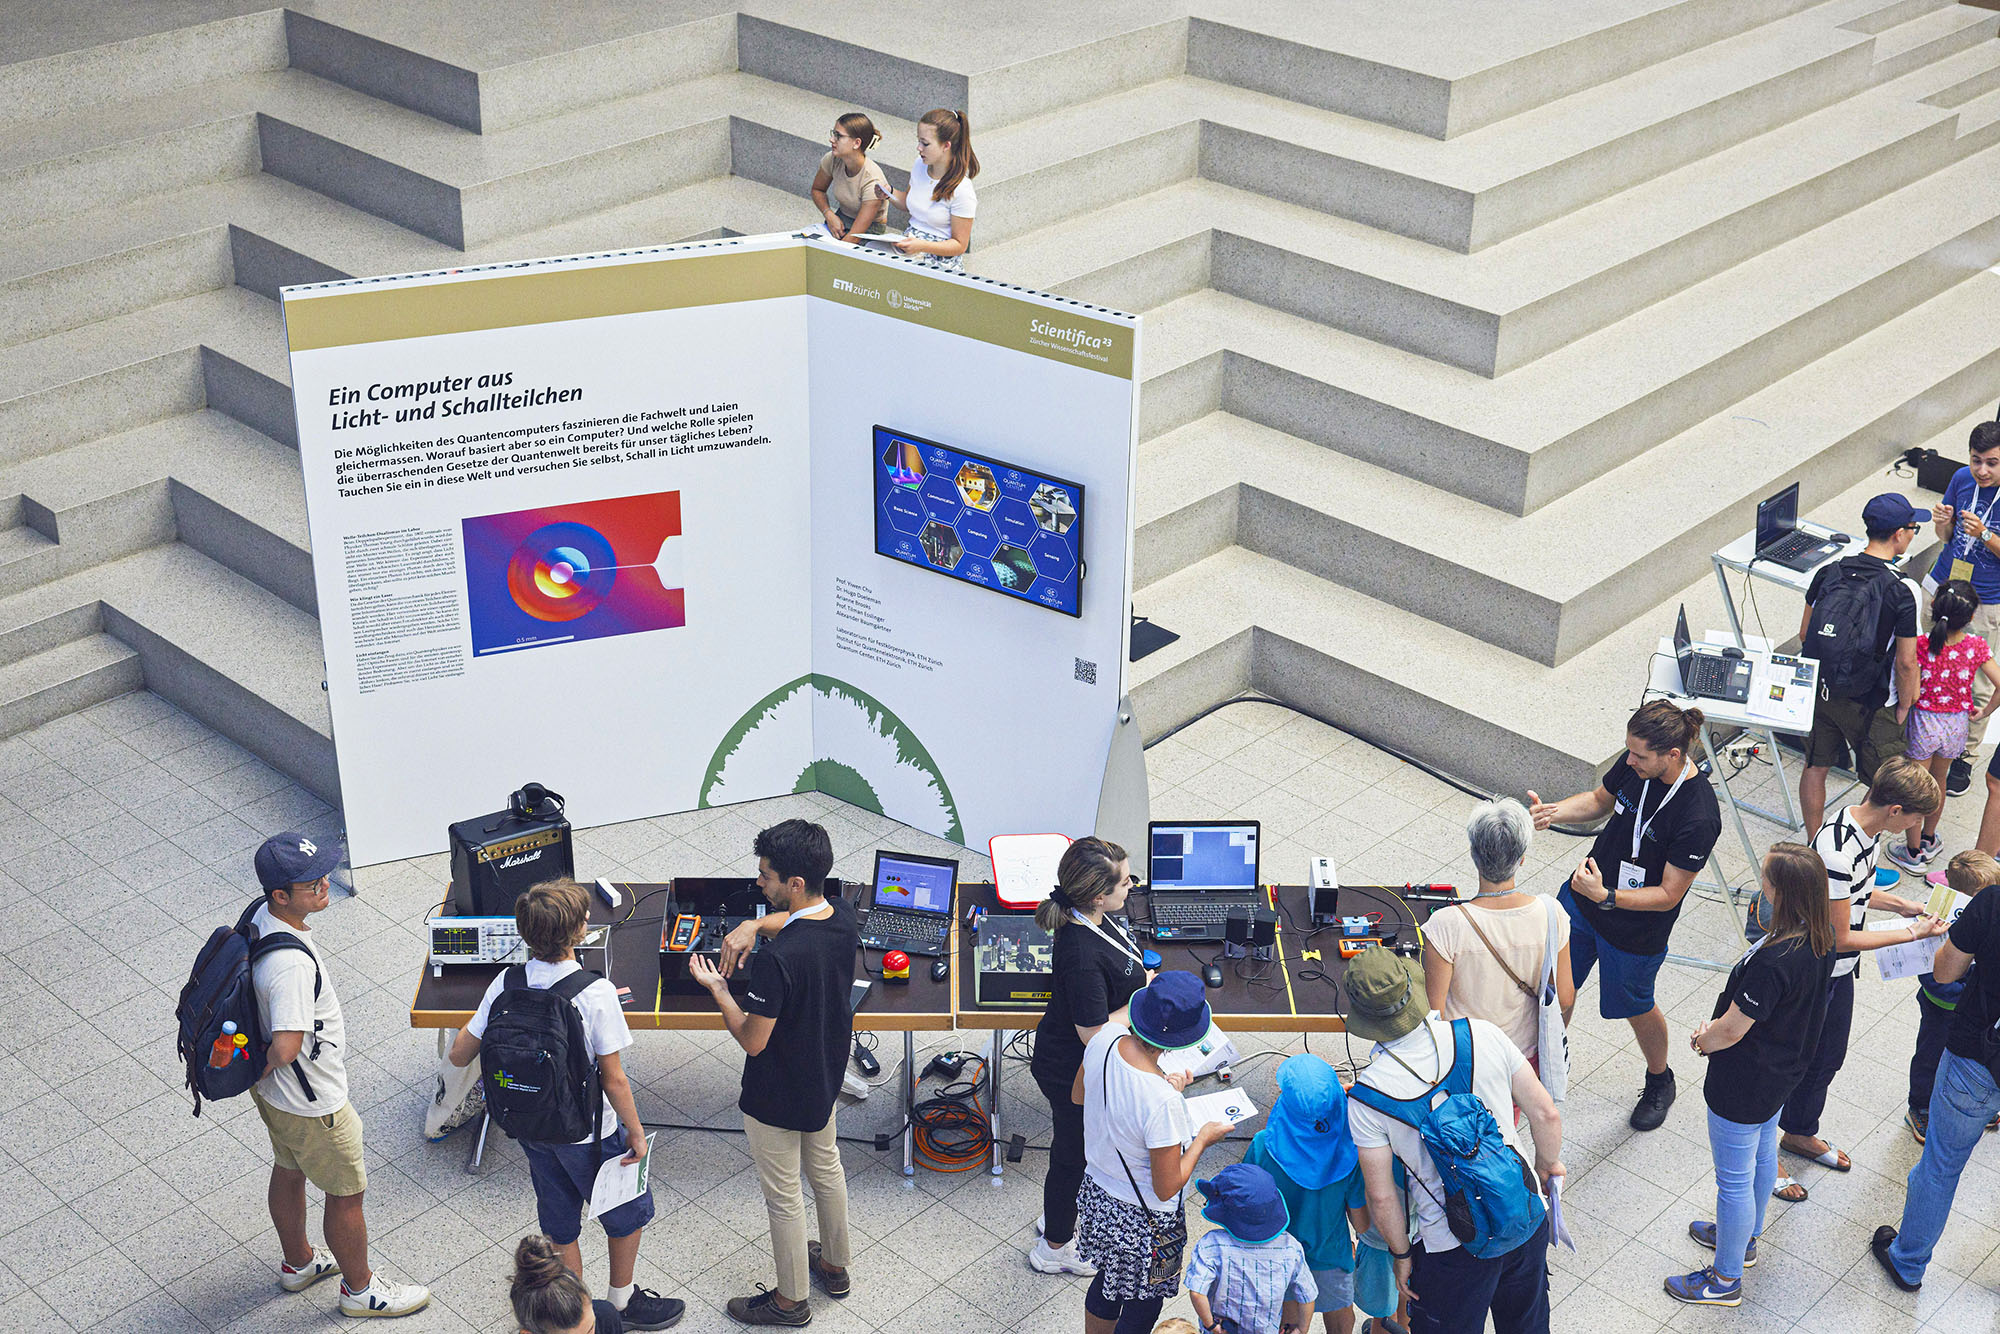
(1630,874)
(1961,565)
(1124,947)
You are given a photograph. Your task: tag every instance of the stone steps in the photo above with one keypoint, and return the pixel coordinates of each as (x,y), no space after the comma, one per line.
(63,679)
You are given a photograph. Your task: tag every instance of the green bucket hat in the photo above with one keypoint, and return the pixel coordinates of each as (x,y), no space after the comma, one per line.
(1385,995)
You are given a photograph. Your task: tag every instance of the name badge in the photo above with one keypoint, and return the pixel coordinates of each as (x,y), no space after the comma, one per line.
(1961,568)
(1630,876)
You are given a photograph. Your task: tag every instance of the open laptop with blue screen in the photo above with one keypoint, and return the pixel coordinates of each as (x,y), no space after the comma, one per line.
(1197,872)
(911,908)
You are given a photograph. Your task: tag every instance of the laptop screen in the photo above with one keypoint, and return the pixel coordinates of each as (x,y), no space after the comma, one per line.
(1777,516)
(916,884)
(1218,855)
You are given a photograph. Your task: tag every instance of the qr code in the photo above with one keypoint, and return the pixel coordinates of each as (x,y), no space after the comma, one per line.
(1086,672)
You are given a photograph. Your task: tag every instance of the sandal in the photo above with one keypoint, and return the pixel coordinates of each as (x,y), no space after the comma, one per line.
(1830,1157)
(1784,1190)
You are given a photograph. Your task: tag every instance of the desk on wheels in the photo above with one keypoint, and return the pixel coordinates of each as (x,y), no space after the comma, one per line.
(450,1001)
(1290,993)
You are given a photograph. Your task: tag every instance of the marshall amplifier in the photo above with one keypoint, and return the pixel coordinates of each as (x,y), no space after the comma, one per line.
(495,858)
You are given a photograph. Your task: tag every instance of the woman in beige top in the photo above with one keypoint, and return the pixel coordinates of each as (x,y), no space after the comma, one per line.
(1471,947)
(845,188)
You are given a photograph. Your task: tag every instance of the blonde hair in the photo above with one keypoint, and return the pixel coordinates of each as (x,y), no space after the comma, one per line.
(1971,871)
(1087,872)
(1902,781)
(1797,879)
(1176,1325)
(551,916)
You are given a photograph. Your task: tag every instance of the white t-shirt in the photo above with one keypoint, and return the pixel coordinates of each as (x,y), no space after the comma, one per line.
(1127,1113)
(935,215)
(1849,854)
(1494,1061)
(1480,987)
(283,981)
(604,1027)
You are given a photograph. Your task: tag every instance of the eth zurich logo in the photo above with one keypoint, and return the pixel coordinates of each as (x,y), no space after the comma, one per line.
(862,754)
(895,299)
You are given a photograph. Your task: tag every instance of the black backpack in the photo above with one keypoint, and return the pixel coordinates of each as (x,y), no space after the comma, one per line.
(535,1064)
(1845,632)
(219,990)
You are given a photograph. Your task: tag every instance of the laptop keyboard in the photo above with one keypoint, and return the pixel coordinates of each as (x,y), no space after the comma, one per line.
(1708,676)
(1201,911)
(907,925)
(1793,544)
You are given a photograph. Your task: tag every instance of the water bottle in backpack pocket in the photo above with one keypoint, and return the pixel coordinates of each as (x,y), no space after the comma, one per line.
(219,994)
(535,1062)
(1491,1200)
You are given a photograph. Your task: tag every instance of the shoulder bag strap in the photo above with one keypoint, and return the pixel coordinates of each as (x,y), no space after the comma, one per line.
(1103,1079)
(1472,920)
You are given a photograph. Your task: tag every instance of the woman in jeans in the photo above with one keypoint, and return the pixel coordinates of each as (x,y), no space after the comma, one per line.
(1097,968)
(1765,1027)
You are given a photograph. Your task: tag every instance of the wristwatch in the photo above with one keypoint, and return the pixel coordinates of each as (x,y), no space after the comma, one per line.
(1610,897)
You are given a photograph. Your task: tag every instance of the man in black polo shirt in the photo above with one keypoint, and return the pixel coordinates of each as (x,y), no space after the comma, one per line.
(1623,900)
(1964,1098)
(795,1024)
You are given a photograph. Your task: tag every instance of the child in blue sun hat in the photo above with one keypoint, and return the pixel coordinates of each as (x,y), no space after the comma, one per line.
(1248,1275)
(1307,1150)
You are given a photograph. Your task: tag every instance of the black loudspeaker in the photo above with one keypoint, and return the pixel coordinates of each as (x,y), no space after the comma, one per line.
(1935,471)
(1236,933)
(495,858)
(1263,933)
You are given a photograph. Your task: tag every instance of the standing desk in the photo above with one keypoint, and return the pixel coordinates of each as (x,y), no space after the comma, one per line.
(1291,993)
(1793,716)
(450,1001)
(1741,556)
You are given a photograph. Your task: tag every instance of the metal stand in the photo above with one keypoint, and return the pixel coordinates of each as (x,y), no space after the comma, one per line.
(993,1098)
(909,1103)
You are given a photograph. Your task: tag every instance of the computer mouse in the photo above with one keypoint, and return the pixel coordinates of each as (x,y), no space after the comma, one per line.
(1211,976)
(940,969)
(1839,537)
(1732,652)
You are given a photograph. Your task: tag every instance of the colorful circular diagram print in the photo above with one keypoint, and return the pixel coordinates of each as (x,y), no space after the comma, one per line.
(561,571)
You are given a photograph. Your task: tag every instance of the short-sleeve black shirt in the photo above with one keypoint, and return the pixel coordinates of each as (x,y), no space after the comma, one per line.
(801,978)
(1680,834)
(1092,978)
(1977,932)
(1781,986)
(1899,616)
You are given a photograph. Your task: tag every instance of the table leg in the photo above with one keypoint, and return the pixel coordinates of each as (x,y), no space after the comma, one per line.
(1728,601)
(1792,817)
(1721,769)
(909,1103)
(478,1153)
(993,1096)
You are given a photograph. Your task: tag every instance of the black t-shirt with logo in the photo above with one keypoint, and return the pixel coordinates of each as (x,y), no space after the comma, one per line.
(801,978)
(1898,617)
(1977,932)
(1679,834)
(1781,985)
(1093,977)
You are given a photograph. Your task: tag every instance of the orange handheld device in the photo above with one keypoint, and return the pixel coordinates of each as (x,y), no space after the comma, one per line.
(686,927)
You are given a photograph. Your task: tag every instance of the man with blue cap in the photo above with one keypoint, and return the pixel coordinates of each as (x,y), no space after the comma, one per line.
(1247,1274)
(1311,1157)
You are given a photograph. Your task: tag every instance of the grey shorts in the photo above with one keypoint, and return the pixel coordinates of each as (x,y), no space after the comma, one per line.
(1336,1289)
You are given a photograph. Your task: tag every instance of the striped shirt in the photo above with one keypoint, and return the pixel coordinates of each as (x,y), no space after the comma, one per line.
(1849,854)
(1249,1285)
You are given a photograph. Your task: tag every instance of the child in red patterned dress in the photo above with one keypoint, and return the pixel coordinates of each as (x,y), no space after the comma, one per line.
(1948,658)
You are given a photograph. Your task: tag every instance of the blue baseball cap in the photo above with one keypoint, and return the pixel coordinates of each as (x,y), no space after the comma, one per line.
(1172,1012)
(292,858)
(1243,1200)
(1888,512)
(1306,1134)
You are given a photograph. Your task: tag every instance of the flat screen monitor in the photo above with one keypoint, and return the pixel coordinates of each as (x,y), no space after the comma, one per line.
(979,520)
(914,884)
(1777,516)
(1214,854)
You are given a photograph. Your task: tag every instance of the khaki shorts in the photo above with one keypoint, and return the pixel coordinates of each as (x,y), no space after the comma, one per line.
(1841,725)
(326,1148)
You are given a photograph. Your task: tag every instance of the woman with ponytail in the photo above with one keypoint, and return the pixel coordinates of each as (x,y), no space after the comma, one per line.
(1940,726)
(549,1299)
(846,187)
(940,200)
(1097,969)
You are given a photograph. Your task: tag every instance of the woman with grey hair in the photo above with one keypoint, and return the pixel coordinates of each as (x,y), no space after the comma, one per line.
(1486,956)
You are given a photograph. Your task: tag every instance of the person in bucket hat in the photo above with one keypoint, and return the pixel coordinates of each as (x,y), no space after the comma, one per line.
(1248,1275)
(1306,1148)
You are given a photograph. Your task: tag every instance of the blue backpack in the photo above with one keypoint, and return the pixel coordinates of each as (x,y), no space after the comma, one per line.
(219,990)
(1490,1198)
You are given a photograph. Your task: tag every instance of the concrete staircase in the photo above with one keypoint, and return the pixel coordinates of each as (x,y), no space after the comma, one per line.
(1470,332)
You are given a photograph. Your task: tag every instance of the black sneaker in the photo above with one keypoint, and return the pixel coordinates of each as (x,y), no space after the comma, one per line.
(763,1309)
(1878,1245)
(647,1309)
(833,1282)
(1959,779)
(1658,1095)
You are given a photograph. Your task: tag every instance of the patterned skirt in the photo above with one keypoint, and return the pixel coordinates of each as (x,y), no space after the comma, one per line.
(949,263)
(1138,1253)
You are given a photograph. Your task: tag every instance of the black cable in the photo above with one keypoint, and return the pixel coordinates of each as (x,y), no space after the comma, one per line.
(627,918)
(1573,831)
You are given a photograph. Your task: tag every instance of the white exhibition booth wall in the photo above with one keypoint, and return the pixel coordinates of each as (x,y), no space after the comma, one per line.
(714,522)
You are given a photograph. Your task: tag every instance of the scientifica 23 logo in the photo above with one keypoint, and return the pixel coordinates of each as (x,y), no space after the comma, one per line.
(1070,338)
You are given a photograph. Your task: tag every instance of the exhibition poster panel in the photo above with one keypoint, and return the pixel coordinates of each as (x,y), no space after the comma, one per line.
(560,527)
(971,477)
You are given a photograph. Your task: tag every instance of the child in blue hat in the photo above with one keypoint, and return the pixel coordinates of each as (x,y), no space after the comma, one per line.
(1307,1150)
(1248,1275)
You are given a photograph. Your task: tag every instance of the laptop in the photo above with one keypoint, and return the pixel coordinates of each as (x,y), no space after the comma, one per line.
(1780,540)
(911,909)
(1709,673)
(1197,873)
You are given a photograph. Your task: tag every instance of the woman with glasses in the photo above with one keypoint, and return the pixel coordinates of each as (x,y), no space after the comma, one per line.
(846,187)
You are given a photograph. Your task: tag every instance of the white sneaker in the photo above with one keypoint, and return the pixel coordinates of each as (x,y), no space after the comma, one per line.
(1041,1224)
(383,1298)
(1046,1259)
(317,1268)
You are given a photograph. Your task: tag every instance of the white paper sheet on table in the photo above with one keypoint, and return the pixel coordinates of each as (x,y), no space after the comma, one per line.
(1232,1107)
(619,1181)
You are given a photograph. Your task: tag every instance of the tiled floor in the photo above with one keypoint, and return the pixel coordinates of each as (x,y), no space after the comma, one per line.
(126,1213)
